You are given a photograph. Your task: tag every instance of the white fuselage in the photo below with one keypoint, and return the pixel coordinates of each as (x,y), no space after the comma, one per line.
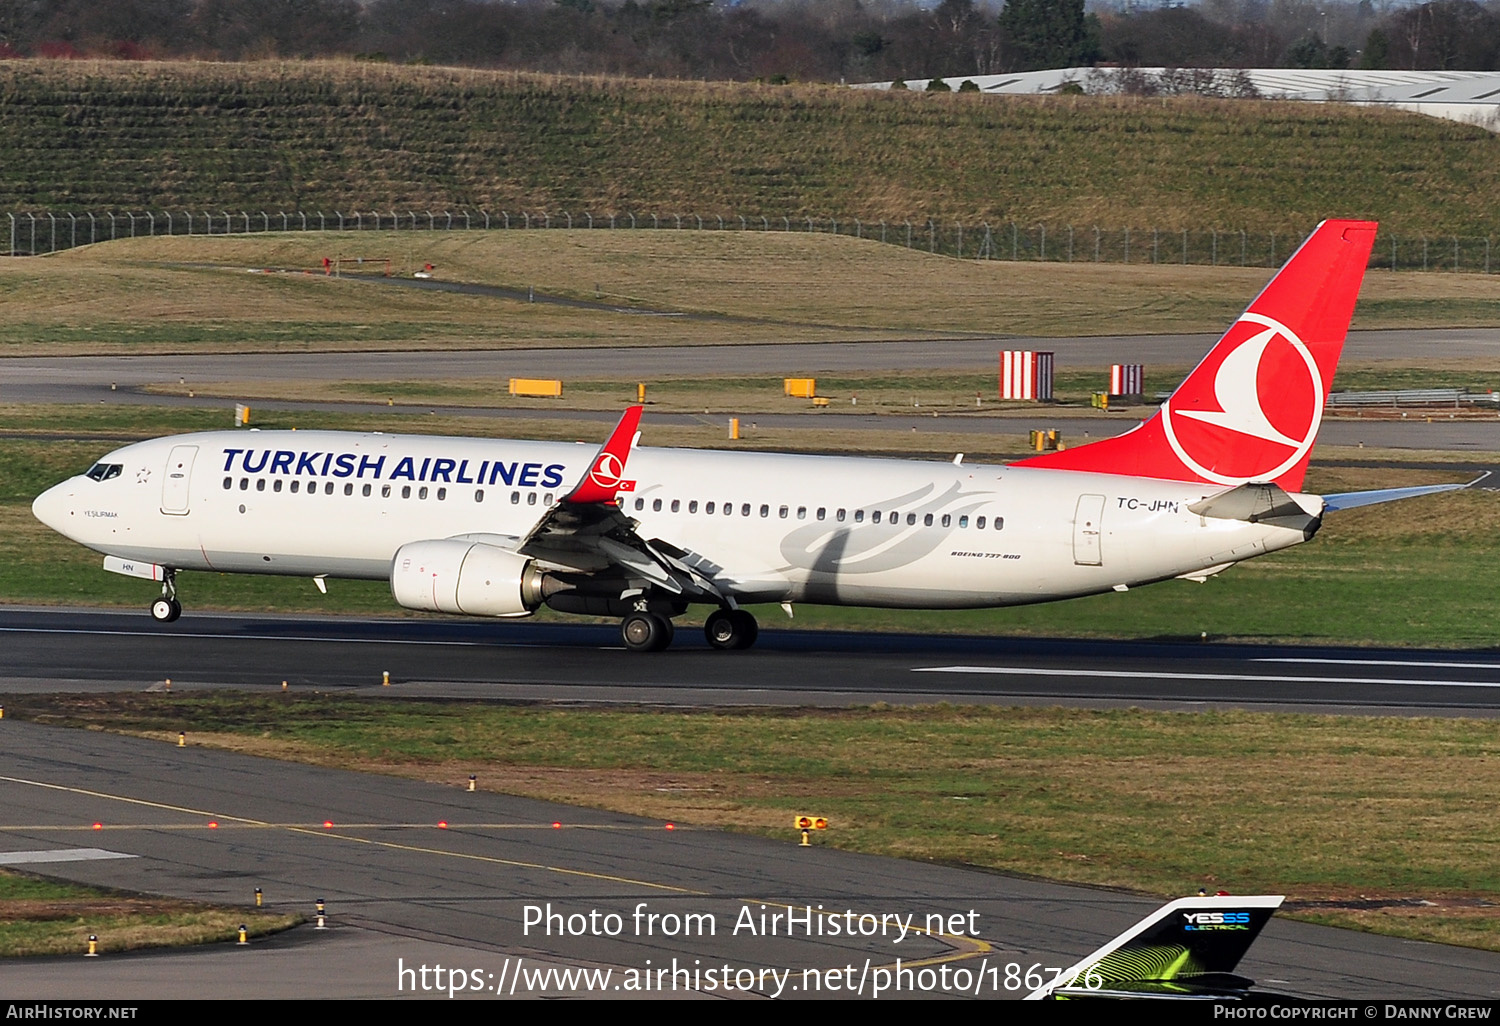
(761,526)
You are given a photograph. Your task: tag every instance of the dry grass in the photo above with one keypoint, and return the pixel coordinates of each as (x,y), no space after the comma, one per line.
(193,294)
(1356,818)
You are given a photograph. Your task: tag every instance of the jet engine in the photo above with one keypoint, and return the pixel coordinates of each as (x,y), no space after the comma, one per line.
(452,575)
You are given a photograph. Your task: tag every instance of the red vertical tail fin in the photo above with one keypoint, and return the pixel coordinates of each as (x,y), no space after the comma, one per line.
(1251,410)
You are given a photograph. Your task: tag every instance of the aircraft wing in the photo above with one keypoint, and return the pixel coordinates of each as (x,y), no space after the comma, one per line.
(587,530)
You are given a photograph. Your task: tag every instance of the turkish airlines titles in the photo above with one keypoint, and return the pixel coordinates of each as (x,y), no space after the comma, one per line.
(356,465)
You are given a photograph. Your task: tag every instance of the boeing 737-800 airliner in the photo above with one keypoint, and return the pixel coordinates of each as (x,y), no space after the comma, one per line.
(497,528)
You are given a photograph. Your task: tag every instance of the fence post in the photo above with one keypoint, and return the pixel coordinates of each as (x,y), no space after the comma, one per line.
(1155,246)
(1486,254)
(931,236)
(12,250)
(1273,249)
(169,221)
(989,242)
(284,225)
(1127,245)
(449,215)
(1096,243)
(859,229)
(1042,229)
(882,231)
(632,219)
(655,221)
(1455,254)
(151,230)
(1424,252)
(469,220)
(1070,244)
(786,223)
(744,225)
(908,235)
(1243,244)
(960,228)
(111,226)
(507,219)
(765,223)
(73,231)
(132,223)
(1214,253)
(678,219)
(91,230)
(1184,246)
(1014,240)
(33,232)
(53,218)
(247,221)
(265,222)
(809,225)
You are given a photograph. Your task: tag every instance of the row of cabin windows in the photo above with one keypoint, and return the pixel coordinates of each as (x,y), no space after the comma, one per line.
(441,494)
(839,515)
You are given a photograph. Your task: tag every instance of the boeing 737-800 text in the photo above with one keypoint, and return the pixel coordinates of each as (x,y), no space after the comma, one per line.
(497,528)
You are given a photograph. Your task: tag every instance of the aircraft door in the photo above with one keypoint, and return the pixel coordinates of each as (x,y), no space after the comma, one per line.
(179,475)
(1087,523)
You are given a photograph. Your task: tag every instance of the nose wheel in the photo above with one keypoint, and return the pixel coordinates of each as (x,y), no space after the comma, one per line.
(167,608)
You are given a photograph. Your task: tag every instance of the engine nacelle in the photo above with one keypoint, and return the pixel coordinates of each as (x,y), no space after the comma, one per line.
(454,576)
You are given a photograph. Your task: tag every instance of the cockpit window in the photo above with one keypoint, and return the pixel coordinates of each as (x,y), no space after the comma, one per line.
(105,471)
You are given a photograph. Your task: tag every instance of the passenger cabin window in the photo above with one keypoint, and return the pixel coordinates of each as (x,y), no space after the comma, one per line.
(693,506)
(328,488)
(999,523)
(801,512)
(422,492)
(479,495)
(276,485)
(244,484)
(365,491)
(765,510)
(676,505)
(709,508)
(979,523)
(228,483)
(442,494)
(875,517)
(385,491)
(640,503)
(530,498)
(515,498)
(963,521)
(839,516)
(947,520)
(783,512)
(406,491)
(859,516)
(296,487)
(656,505)
(927,520)
(911,519)
(745,509)
(349,488)
(822,513)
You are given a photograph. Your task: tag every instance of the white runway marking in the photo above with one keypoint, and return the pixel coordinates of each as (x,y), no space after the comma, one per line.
(1382,662)
(30,858)
(249,637)
(1023,671)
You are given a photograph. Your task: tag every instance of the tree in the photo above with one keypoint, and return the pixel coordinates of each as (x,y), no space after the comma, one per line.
(1049,34)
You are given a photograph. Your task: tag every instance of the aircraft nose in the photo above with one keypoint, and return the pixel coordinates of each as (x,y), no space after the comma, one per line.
(52,507)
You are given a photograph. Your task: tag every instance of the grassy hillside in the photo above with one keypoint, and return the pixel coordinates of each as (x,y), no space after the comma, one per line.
(95,135)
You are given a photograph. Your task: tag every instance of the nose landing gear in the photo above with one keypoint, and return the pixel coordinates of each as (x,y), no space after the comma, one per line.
(167,608)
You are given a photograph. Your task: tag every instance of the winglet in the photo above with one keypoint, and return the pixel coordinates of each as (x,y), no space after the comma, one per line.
(606,476)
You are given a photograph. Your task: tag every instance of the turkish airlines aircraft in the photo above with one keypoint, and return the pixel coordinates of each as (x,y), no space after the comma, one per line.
(498,528)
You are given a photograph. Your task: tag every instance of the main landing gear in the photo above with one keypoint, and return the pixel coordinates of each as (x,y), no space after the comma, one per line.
(726,629)
(167,608)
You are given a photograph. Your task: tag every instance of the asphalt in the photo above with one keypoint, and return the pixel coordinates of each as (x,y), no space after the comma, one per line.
(402,892)
(86,650)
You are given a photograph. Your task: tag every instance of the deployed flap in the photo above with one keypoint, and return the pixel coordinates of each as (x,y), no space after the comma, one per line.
(1254,503)
(1186,949)
(587,531)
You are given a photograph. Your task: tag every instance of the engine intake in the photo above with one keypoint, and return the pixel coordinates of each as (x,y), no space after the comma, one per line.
(455,576)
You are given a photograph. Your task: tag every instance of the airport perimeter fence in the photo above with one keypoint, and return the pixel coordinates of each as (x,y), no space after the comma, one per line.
(34,233)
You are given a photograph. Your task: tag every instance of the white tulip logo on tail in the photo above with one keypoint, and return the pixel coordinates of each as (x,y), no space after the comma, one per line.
(1269,395)
(607,473)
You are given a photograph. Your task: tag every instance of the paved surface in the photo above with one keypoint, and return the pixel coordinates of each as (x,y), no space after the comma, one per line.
(48,650)
(33,375)
(404,893)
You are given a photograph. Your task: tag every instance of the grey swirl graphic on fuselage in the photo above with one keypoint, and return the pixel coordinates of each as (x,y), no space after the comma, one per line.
(870,548)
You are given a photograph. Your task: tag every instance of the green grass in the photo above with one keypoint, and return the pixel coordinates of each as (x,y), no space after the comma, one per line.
(1316,807)
(44,917)
(345,136)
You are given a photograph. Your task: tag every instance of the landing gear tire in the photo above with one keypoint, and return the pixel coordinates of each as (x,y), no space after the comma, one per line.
(165,610)
(731,629)
(646,632)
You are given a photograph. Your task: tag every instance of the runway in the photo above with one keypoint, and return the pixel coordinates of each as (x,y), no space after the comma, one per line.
(65,379)
(404,893)
(51,650)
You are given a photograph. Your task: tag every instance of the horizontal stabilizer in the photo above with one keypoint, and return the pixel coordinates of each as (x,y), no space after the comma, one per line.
(1255,504)
(1352,500)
